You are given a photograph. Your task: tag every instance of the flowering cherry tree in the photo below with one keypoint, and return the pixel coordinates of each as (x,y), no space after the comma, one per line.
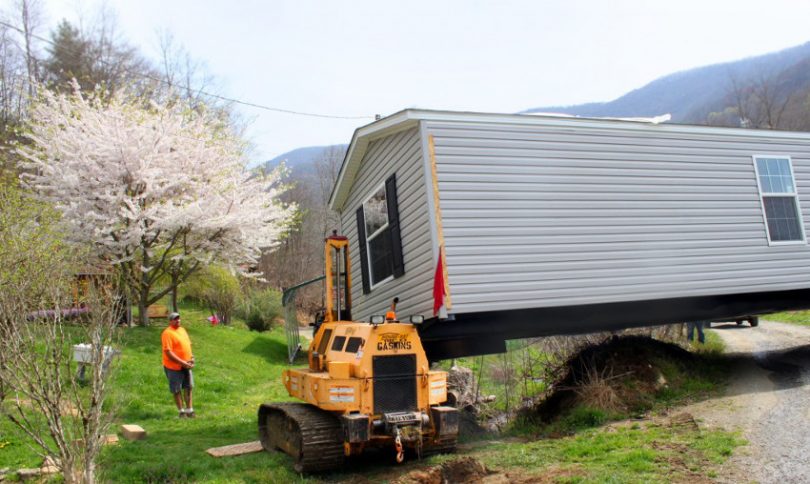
(155,189)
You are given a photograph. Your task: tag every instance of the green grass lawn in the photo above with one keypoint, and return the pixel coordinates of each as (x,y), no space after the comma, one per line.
(235,371)
(643,452)
(794,317)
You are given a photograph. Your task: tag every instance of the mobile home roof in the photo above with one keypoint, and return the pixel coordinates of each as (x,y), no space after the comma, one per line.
(409,118)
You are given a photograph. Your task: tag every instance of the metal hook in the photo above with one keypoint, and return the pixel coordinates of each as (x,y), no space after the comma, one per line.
(398,446)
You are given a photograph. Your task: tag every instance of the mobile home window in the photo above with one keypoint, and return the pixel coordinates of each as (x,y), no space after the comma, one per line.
(780,202)
(378,237)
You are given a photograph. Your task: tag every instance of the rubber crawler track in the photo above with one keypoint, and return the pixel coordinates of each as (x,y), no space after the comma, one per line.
(311,436)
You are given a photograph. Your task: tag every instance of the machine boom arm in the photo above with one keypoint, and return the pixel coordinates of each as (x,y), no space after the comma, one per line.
(337,270)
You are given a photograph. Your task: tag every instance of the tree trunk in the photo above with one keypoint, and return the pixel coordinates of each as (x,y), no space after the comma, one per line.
(128,314)
(143,317)
(27,35)
(174,297)
(89,474)
(143,293)
(143,299)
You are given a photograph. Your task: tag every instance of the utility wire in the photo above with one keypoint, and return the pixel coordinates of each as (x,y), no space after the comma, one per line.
(188,88)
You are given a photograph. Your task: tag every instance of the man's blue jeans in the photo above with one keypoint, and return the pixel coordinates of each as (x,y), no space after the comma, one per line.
(690,331)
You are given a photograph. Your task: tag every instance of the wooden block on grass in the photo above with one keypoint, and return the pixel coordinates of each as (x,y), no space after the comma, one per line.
(110,439)
(133,432)
(236,449)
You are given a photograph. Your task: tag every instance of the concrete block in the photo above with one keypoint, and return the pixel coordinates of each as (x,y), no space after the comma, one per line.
(49,466)
(25,474)
(133,432)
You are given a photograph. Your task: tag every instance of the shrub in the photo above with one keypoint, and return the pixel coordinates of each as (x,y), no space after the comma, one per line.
(37,369)
(217,288)
(260,308)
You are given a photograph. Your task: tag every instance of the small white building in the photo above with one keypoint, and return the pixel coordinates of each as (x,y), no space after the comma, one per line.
(500,226)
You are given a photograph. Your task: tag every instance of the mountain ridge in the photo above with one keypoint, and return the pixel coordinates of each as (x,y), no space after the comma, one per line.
(689,95)
(711,94)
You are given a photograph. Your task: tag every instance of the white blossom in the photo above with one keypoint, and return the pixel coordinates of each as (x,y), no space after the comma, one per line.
(136,180)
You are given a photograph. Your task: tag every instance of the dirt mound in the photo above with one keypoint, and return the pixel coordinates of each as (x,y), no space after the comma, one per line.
(465,469)
(617,375)
(469,470)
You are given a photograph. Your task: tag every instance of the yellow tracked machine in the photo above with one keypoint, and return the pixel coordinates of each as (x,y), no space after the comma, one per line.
(368,385)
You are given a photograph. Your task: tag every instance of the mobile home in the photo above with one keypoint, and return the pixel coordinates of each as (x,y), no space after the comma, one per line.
(502,226)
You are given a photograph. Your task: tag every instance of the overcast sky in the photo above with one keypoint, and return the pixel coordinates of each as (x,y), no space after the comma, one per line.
(360,58)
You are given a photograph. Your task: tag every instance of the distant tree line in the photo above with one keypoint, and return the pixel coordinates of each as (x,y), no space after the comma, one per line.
(767,101)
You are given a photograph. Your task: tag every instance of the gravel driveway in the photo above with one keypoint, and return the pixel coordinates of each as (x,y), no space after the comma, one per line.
(768,400)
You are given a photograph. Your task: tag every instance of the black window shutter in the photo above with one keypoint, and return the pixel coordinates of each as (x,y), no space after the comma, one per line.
(393,223)
(361,241)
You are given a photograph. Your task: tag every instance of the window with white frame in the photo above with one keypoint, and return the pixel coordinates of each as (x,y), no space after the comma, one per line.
(378,237)
(780,202)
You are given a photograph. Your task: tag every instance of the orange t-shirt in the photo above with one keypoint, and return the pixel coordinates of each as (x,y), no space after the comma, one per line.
(178,341)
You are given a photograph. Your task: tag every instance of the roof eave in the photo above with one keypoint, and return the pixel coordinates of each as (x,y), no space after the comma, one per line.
(363,135)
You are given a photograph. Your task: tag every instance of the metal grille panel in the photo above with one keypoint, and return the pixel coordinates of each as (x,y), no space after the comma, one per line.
(394,383)
(290,303)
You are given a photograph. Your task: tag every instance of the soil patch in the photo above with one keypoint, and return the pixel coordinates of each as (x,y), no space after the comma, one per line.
(465,469)
(470,470)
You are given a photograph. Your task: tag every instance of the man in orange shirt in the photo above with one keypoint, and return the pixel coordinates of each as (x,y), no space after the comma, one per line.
(177,363)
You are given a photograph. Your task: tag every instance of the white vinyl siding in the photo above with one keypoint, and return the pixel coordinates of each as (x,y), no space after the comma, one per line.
(780,202)
(399,153)
(572,213)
